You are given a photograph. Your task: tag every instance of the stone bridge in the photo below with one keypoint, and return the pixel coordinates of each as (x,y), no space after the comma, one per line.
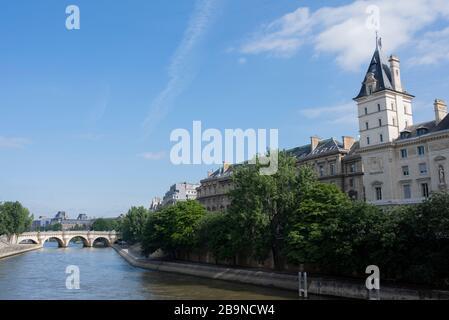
(64,237)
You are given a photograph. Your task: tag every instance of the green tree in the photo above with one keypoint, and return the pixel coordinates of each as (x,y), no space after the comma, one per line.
(173,228)
(55,227)
(316,229)
(133,224)
(14,218)
(103,224)
(217,234)
(260,207)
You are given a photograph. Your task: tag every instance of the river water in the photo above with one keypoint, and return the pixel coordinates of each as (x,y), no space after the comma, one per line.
(104,275)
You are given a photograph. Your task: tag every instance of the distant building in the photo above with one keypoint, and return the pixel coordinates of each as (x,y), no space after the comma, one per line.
(213,191)
(156,203)
(61,215)
(180,192)
(82,216)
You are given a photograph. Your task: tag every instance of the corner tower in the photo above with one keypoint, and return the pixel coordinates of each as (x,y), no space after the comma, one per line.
(384,107)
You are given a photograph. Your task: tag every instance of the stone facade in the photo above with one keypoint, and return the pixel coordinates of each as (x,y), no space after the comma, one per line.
(180,192)
(334,162)
(213,191)
(394,162)
(402,162)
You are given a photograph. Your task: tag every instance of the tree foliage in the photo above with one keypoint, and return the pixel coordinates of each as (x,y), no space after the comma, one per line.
(261,205)
(173,228)
(133,224)
(102,224)
(14,218)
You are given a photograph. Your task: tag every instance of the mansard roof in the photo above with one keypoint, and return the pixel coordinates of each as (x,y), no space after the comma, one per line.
(381,72)
(429,127)
(324,147)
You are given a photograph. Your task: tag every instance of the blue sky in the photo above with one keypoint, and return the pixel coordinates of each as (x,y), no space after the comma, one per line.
(86,115)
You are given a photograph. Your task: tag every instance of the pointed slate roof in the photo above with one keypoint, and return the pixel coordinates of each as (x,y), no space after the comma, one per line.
(381,72)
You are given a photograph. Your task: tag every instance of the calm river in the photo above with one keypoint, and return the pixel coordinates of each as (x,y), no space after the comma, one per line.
(104,275)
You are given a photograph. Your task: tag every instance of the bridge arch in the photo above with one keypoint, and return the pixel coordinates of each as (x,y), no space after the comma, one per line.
(58,239)
(85,241)
(25,241)
(103,238)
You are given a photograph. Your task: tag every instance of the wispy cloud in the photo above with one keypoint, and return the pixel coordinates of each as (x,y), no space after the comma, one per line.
(335,30)
(432,48)
(339,114)
(179,71)
(13,143)
(153,155)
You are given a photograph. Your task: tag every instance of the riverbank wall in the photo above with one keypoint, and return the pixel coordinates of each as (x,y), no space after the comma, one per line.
(13,250)
(317,285)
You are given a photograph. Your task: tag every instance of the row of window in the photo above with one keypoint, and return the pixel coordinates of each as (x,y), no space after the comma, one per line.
(420,149)
(393,108)
(322,170)
(422,170)
(407,191)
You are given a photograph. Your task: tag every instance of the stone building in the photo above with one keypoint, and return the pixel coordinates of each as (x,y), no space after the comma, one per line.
(180,192)
(156,203)
(334,162)
(403,162)
(213,191)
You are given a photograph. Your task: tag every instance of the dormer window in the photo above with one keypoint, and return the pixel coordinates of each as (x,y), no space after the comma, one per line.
(422,131)
(370,83)
(405,134)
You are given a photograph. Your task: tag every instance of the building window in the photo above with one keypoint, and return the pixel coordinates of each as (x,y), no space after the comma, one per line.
(378,107)
(352,168)
(380,122)
(423,169)
(378,193)
(332,169)
(366,125)
(405,109)
(407,191)
(381,138)
(405,171)
(366,111)
(421,151)
(425,190)
(367,140)
(351,183)
(321,169)
(404,153)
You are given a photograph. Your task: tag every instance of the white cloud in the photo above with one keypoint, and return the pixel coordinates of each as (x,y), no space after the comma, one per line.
(339,114)
(242,60)
(13,143)
(179,72)
(432,48)
(153,155)
(342,31)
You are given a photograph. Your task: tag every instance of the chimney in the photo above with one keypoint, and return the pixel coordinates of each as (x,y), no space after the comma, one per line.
(440,110)
(314,142)
(395,67)
(348,142)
